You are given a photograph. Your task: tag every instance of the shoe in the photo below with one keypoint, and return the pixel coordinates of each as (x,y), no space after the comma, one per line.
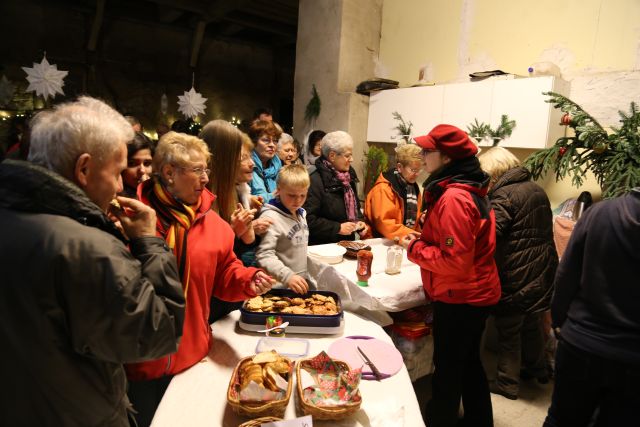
(495,389)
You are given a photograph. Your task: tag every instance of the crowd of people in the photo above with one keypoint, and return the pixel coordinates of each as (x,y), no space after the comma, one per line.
(120,251)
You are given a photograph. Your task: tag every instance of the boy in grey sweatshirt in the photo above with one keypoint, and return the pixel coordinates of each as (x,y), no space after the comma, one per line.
(283,249)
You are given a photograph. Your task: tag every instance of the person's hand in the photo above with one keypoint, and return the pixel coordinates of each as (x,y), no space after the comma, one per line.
(362,228)
(347,228)
(423,215)
(261,283)
(261,225)
(256,202)
(136,218)
(406,240)
(241,219)
(298,285)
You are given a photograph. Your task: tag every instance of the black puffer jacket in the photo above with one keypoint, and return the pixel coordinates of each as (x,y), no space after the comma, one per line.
(75,303)
(325,205)
(525,253)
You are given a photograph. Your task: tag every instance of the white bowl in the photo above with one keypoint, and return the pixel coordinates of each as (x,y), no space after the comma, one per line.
(329,254)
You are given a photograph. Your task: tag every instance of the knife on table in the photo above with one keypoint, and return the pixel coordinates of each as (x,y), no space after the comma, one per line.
(368,361)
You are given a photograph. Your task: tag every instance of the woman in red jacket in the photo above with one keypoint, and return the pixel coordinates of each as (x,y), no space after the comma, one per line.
(455,255)
(203,245)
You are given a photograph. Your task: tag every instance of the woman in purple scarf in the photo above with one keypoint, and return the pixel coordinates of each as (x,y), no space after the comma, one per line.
(333,207)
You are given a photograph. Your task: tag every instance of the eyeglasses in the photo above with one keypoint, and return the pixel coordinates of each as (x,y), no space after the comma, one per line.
(197,171)
(245,158)
(268,140)
(347,156)
(414,171)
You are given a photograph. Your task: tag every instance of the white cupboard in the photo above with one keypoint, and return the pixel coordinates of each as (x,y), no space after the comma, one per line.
(459,104)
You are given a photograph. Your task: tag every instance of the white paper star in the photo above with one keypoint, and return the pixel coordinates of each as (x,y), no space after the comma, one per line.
(45,79)
(191,103)
(6,90)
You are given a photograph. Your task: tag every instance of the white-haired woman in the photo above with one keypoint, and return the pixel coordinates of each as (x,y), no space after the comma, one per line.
(287,150)
(333,208)
(527,260)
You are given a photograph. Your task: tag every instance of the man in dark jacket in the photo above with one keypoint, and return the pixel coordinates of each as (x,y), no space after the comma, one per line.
(595,309)
(75,302)
(527,260)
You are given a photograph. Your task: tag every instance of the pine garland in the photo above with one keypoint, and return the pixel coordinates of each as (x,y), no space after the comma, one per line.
(613,158)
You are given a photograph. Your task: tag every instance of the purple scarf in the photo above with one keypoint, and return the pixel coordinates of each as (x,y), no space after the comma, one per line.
(349,195)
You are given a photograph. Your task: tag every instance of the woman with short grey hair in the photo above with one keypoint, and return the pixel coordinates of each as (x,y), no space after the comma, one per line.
(333,207)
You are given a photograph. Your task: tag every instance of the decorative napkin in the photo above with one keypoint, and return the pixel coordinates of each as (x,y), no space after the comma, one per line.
(326,383)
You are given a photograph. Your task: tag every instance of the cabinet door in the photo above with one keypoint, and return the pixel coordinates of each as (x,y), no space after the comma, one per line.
(522,100)
(465,102)
(421,106)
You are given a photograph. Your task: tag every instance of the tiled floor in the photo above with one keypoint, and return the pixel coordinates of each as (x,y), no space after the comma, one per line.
(528,411)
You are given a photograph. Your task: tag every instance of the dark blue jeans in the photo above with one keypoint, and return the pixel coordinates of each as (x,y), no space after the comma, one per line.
(585,383)
(459,374)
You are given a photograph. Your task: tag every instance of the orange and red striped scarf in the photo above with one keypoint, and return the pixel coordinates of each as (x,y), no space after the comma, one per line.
(176,218)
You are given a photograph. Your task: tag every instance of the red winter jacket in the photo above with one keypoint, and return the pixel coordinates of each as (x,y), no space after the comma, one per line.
(455,250)
(215,270)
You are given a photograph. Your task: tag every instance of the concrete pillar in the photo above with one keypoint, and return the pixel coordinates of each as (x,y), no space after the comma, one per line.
(338,41)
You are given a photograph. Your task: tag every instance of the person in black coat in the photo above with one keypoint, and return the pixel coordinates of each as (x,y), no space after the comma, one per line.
(527,262)
(333,207)
(594,311)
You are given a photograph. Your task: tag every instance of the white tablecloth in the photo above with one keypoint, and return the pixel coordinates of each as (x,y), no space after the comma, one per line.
(385,292)
(197,397)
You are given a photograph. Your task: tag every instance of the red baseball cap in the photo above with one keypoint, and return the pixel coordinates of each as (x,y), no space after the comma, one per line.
(449,140)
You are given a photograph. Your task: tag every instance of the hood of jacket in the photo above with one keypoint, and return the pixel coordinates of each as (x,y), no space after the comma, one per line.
(28,187)
(277,206)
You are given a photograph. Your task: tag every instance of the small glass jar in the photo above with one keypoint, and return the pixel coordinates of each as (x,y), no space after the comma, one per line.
(272,322)
(394,257)
(363,270)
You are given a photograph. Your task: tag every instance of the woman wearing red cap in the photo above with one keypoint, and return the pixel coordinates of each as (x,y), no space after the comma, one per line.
(455,255)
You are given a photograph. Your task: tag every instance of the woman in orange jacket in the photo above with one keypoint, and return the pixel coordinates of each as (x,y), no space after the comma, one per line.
(393,204)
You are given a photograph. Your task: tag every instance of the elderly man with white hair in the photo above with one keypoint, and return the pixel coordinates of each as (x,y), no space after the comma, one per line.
(333,207)
(75,301)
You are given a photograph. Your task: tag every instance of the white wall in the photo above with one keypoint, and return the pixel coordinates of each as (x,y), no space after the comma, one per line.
(595,43)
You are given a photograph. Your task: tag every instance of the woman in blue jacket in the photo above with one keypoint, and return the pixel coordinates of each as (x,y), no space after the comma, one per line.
(265,137)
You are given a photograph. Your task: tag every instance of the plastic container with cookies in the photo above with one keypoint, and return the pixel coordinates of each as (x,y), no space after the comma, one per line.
(314,312)
(261,385)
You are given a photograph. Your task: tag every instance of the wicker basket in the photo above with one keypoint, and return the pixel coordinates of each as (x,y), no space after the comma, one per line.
(271,408)
(259,421)
(323,412)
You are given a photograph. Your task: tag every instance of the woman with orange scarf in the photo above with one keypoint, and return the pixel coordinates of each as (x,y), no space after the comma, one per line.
(203,245)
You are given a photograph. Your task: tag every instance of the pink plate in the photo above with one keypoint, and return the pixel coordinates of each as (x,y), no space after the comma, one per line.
(385,356)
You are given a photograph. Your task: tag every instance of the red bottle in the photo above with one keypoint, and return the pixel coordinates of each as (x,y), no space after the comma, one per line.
(365,261)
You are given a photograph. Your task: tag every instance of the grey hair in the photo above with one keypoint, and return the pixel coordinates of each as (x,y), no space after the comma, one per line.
(338,141)
(285,138)
(88,125)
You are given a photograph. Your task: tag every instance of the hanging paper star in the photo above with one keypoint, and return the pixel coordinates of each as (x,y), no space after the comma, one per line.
(6,90)
(45,79)
(191,103)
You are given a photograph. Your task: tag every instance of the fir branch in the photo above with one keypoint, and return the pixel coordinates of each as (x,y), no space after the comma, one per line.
(312,111)
(403,128)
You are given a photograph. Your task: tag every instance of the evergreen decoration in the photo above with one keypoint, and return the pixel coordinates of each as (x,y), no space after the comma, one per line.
(376,163)
(403,128)
(312,111)
(481,130)
(613,158)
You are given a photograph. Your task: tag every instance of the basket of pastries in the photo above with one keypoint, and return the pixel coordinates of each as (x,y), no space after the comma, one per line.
(327,389)
(353,248)
(261,385)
